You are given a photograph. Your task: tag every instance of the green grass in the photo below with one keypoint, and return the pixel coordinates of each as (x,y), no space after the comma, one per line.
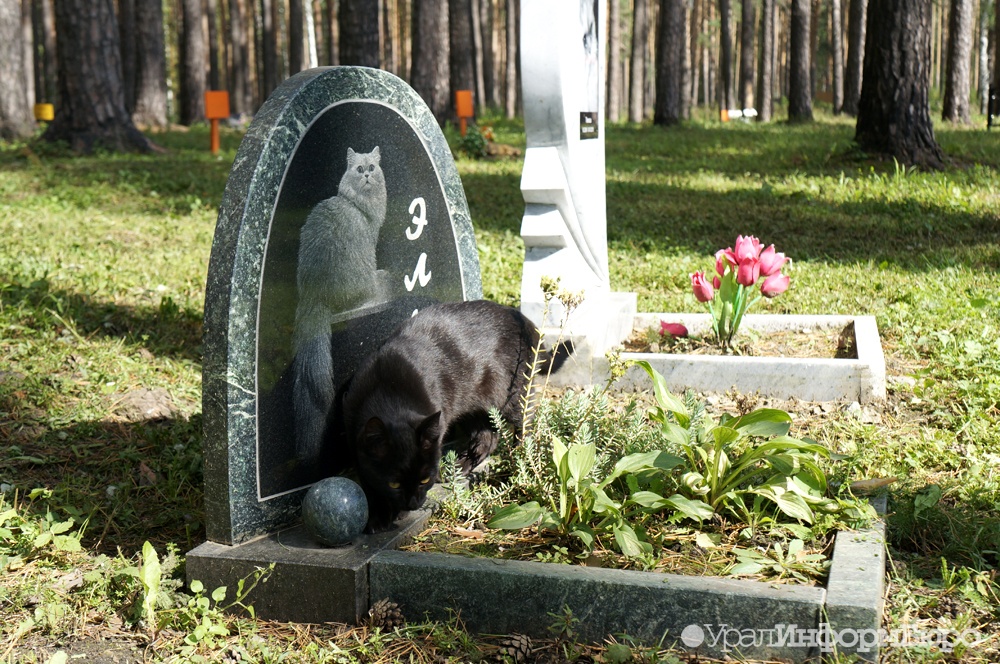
(103,262)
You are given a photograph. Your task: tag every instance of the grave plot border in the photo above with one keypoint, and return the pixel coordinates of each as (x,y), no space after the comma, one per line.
(233,512)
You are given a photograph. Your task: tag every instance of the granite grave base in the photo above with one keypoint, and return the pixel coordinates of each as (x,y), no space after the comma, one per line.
(713,616)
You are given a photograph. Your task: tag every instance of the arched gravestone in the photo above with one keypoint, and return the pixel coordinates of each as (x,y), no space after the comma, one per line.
(286,324)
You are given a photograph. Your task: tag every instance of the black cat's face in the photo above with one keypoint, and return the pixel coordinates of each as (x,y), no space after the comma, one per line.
(398,464)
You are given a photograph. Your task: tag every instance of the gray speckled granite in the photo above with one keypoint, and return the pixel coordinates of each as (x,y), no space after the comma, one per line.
(230,399)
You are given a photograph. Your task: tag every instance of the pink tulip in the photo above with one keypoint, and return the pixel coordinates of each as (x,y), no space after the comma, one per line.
(673,329)
(724,257)
(703,291)
(748,272)
(717,283)
(771,261)
(774,285)
(746,248)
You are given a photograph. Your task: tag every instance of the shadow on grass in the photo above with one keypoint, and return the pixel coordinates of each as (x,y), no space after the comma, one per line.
(964,535)
(166,329)
(129,482)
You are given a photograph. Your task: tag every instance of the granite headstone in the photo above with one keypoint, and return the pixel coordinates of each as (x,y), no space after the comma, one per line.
(342,216)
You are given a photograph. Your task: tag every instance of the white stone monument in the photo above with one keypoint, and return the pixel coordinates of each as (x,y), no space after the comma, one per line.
(563,183)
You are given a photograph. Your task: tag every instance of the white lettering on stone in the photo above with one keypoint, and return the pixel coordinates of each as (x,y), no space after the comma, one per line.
(419,220)
(420,274)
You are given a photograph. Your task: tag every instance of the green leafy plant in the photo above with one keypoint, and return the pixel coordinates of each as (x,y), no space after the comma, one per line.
(791,561)
(725,463)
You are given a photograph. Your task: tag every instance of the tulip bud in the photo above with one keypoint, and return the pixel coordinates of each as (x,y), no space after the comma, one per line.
(716,283)
(748,272)
(724,257)
(673,329)
(746,248)
(703,291)
(774,285)
(771,261)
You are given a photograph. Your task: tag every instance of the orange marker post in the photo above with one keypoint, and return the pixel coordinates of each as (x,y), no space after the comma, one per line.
(463,109)
(216,108)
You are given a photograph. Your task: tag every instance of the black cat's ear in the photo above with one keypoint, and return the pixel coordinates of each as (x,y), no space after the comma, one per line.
(375,437)
(429,431)
(376,155)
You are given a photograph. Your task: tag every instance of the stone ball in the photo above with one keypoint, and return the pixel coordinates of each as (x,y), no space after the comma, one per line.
(335,511)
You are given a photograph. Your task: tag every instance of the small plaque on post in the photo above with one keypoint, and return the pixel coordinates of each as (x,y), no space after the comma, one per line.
(588,125)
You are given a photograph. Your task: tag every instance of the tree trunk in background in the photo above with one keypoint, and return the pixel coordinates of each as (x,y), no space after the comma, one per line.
(957,79)
(511,86)
(477,53)
(669,62)
(799,86)
(128,39)
(613,105)
(855,55)
(429,71)
(296,37)
(765,82)
(725,55)
(150,109)
(28,53)
(996,44)
(359,32)
(49,58)
(461,64)
(16,119)
(746,54)
(694,49)
(487,13)
(212,34)
(193,62)
(268,49)
(637,69)
(983,83)
(329,24)
(240,99)
(91,110)
(837,54)
(893,111)
(686,60)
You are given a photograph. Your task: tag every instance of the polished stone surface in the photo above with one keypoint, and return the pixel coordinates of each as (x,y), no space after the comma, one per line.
(334,511)
(291,158)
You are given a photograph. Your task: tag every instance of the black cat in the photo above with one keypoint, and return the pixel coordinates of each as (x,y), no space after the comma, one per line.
(445,367)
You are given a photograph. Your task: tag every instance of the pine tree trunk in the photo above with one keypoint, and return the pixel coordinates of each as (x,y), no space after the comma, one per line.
(240,97)
(746,54)
(511,86)
(487,12)
(461,56)
(296,37)
(613,104)
(694,47)
(429,71)
(669,55)
(16,119)
(686,74)
(894,111)
(725,54)
(49,58)
(91,111)
(268,49)
(359,33)
(637,70)
(476,29)
(837,53)
(765,83)
(150,109)
(956,88)
(212,36)
(984,56)
(855,55)
(128,38)
(193,61)
(799,85)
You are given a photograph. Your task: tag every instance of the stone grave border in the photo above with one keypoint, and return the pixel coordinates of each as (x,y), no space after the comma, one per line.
(315,584)
(235,278)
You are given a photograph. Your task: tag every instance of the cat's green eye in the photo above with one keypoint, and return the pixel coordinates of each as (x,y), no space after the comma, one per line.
(426,480)
(393,485)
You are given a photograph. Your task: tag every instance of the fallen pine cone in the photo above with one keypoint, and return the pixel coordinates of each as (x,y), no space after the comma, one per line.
(517,647)
(385,614)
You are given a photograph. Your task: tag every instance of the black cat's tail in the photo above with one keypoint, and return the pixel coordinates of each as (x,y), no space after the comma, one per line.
(553,359)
